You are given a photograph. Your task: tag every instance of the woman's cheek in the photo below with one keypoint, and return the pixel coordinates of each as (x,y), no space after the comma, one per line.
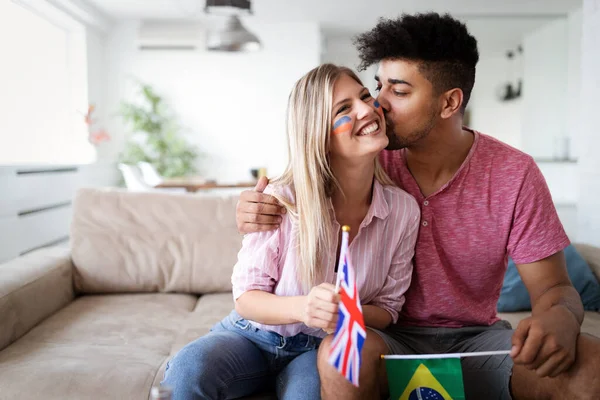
(342,125)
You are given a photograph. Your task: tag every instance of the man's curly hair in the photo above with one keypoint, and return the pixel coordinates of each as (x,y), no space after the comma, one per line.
(446,52)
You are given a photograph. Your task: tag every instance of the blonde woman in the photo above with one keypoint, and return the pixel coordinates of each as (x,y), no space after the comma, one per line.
(285,301)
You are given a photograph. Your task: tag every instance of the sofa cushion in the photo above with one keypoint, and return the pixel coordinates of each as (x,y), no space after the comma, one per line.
(209,310)
(146,242)
(515,297)
(76,371)
(98,347)
(150,321)
(591,254)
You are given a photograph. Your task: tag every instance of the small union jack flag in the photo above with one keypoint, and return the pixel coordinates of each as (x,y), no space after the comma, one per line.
(350,333)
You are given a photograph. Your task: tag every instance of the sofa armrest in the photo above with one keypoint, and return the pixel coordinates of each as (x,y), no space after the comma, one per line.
(591,254)
(33,287)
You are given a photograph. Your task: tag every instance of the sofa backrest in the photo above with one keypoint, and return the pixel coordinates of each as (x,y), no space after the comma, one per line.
(146,242)
(591,254)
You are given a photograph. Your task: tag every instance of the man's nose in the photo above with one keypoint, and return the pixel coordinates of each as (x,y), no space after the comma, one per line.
(382,102)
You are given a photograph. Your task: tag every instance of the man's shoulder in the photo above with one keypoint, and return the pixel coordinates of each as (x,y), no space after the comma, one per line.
(501,159)
(493,148)
(503,169)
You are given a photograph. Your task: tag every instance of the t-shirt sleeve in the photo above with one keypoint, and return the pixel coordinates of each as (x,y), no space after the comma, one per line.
(536,231)
(257,267)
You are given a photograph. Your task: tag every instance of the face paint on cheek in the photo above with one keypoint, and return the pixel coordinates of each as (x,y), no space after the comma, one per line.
(342,125)
(378,108)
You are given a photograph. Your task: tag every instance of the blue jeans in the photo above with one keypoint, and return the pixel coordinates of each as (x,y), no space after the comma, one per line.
(236,359)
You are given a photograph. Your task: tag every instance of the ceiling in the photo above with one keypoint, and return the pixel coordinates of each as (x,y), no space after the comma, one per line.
(343,14)
(495,23)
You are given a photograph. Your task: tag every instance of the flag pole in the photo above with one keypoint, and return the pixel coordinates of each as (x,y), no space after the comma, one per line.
(449,355)
(343,250)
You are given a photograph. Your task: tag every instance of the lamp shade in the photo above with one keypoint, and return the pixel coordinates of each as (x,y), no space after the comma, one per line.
(233,37)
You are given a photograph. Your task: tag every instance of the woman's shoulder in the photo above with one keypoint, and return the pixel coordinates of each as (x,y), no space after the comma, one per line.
(281,190)
(400,202)
(282,233)
(286,195)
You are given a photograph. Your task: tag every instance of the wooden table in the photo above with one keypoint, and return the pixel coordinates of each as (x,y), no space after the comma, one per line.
(194,185)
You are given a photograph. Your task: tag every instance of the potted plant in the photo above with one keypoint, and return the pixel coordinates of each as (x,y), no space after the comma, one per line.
(155,136)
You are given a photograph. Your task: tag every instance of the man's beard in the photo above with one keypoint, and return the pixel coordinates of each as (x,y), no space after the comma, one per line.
(397,142)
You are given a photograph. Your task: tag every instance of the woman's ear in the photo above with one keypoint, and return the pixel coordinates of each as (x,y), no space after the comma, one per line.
(452,102)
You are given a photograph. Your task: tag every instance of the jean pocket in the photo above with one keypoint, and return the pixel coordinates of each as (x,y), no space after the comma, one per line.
(237,321)
(242,323)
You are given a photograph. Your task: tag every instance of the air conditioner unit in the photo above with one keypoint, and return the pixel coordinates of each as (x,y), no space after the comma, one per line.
(171,35)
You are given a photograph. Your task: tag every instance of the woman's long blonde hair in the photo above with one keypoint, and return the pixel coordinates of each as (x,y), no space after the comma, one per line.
(308,125)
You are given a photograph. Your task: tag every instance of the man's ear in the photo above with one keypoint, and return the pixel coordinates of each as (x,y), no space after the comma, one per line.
(452,102)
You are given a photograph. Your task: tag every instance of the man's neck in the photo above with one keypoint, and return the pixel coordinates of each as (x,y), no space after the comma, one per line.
(442,151)
(435,159)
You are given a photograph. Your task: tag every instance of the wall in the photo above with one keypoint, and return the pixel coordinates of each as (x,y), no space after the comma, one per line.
(43,86)
(47,156)
(500,119)
(232,106)
(97,78)
(545,75)
(589,161)
(104,171)
(574,31)
(548,109)
(341,51)
(553,105)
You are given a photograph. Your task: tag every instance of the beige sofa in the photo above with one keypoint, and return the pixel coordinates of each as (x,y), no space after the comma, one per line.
(146,274)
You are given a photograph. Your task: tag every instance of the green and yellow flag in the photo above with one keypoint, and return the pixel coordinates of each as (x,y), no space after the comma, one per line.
(425,379)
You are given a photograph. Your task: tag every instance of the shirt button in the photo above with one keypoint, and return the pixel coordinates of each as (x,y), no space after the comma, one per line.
(426,203)
(425,223)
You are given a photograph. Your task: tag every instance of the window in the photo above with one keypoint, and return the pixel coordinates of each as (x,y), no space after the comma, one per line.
(43,86)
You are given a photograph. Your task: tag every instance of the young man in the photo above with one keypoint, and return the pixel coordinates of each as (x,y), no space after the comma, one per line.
(481,201)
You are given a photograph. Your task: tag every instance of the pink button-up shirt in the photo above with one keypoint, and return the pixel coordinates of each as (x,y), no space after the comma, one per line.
(381,253)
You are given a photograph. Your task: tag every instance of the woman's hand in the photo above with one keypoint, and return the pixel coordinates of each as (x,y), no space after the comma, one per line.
(319,309)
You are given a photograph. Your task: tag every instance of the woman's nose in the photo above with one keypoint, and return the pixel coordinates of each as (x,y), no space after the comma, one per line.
(365,108)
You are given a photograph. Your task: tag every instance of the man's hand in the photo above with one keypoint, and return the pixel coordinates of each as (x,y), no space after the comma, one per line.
(546,342)
(257,211)
(320,308)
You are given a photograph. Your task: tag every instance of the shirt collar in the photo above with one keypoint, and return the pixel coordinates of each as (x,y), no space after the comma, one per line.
(379,207)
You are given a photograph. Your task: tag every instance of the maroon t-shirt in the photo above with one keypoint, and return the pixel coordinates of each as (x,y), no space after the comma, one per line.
(496,205)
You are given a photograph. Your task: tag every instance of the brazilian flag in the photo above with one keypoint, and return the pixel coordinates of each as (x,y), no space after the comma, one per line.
(425,379)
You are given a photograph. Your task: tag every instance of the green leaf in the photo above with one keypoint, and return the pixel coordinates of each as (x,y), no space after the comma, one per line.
(163,144)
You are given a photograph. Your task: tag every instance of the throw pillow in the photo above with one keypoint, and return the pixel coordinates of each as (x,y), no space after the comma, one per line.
(514,295)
